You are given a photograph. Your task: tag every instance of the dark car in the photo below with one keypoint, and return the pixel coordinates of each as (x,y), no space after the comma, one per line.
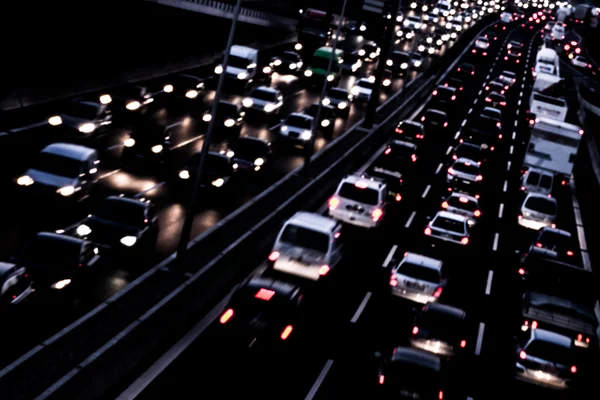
(184,86)
(557,240)
(410,130)
(495,86)
(148,143)
(399,154)
(250,153)
(128,99)
(386,172)
(440,329)
(465,71)
(370,52)
(482,130)
(470,151)
(456,83)
(443,98)
(262,310)
(217,171)
(387,79)
(434,119)
(491,34)
(82,119)
(119,223)
(515,47)
(398,62)
(229,116)
(15,283)
(288,63)
(327,116)
(495,99)
(512,58)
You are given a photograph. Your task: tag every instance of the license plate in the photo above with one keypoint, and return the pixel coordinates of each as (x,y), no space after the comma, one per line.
(414,285)
(445,235)
(466,182)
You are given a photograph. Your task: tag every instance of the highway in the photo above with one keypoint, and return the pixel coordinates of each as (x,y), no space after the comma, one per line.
(43,315)
(353,316)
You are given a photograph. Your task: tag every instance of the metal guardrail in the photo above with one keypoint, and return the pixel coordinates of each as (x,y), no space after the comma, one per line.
(70,363)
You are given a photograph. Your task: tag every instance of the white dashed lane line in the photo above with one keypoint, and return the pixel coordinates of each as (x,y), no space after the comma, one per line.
(496,239)
(449,149)
(508,166)
(319,381)
(390,255)
(463,123)
(439,168)
(500,210)
(512,148)
(361,308)
(519,103)
(488,286)
(505,186)
(516,123)
(410,219)
(479,338)
(514,135)
(456,136)
(426,191)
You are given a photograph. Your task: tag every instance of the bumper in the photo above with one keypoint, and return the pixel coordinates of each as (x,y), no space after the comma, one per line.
(417,297)
(310,272)
(540,378)
(363,221)
(533,224)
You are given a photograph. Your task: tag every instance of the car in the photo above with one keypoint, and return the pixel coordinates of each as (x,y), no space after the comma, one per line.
(495,86)
(262,309)
(217,172)
(362,89)
(469,151)
(229,116)
(387,78)
(127,99)
(369,52)
(508,78)
(546,358)
(558,32)
(558,241)
(431,17)
(119,223)
(455,83)
(339,99)
(184,86)
(298,128)
(309,246)
(359,201)
(536,180)
(443,97)
(538,211)
(399,154)
(263,100)
(435,40)
(581,62)
(465,175)
(410,130)
(486,125)
(548,27)
(83,119)
(440,329)
(491,34)
(249,153)
(61,171)
(465,205)
(465,70)
(391,175)
(424,48)
(434,119)
(493,114)
(149,143)
(495,99)
(15,283)
(515,46)
(327,116)
(512,58)
(289,62)
(537,259)
(398,62)
(416,60)
(418,278)
(54,261)
(414,374)
(412,22)
(449,227)
(481,46)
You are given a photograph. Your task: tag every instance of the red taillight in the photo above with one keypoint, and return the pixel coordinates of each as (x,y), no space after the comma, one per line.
(473,72)
(441,395)
(463,344)
(522,355)
(573,369)
(445,204)
(454,157)
(477,213)
(398,197)
(499,124)
(538,244)
(274,256)
(333,203)
(437,293)
(287,331)
(324,270)
(435,92)
(376,215)
(445,124)
(387,151)
(453,97)
(474,51)
(264,294)
(451,171)
(521,271)
(502,103)
(422,118)
(479,178)
(428,231)
(381,379)
(487,88)
(413,157)
(415,330)
(393,281)
(534,325)
(581,131)
(505,58)
(487,99)
(398,130)
(464,240)
(226,316)
(569,253)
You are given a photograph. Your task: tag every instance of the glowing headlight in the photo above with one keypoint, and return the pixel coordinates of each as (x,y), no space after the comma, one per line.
(157,149)
(417,26)
(293,66)
(361,52)
(298,46)
(61,284)
(83,230)
(355,91)
(168,88)
(219,69)
(218,182)
(129,142)
(105,99)
(229,123)
(184,174)
(325,123)
(87,128)
(421,48)
(128,241)
(363,28)
(387,82)
(404,65)
(284,128)
(55,120)
(439,42)
(265,70)
(66,191)
(229,153)
(431,50)
(417,64)
(389,63)
(406,23)
(399,33)
(269,107)
(259,161)
(247,103)
(453,35)
(277,63)
(25,180)
(206,118)
(306,135)
(330,78)
(429,39)
(326,101)
(191,94)
(308,73)
(342,105)
(133,105)
(242,75)
(372,55)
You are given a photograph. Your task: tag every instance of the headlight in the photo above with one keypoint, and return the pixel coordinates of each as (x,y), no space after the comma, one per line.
(184,174)
(129,142)
(361,52)
(389,63)
(293,66)
(25,180)
(247,103)
(55,120)
(206,118)
(421,48)
(66,191)
(259,161)
(298,46)
(355,91)
(387,82)
(363,28)
(277,63)
(242,75)
(157,149)
(219,69)
(269,107)
(406,23)
(404,65)
(417,26)
(265,70)
(342,105)
(83,230)
(128,241)
(61,284)
(431,50)
(229,123)
(168,89)
(191,94)
(439,42)
(133,105)
(87,128)
(399,33)
(429,39)
(326,101)
(306,135)
(284,128)
(325,123)
(308,73)
(218,182)
(417,64)
(330,78)
(105,99)
(373,55)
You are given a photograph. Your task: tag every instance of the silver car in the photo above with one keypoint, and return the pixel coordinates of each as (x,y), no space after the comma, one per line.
(265,100)
(463,204)
(538,211)
(359,201)
(536,180)
(297,127)
(418,278)
(449,227)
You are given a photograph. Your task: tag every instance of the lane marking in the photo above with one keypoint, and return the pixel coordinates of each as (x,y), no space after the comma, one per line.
(361,308)
(449,150)
(426,191)
(514,135)
(464,122)
(410,219)
(516,123)
(500,210)
(439,168)
(495,245)
(319,381)
(581,237)
(521,94)
(479,338)
(479,94)
(488,286)
(390,256)
(470,110)
(508,166)
(510,151)
(519,103)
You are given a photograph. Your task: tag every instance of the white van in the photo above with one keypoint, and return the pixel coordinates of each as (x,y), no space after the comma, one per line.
(558,32)
(243,66)
(506,17)
(546,61)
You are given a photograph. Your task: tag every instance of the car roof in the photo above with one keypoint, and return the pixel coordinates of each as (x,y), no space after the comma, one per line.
(413,123)
(134,202)
(556,231)
(467,144)
(280,287)
(492,109)
(552,337)
(452,216)
(265,89)
(64,238)
(539,196)
(305,116)
(69,150)
(412,356)
(402,143)
(468,196)
(507,73)
(464,160)
(435,111)
(445,309)
(444,87)
(313,221)
(372,183)
(423,261)
(241,51)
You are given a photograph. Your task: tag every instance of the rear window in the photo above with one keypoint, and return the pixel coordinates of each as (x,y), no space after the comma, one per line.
(306,238)
(449,225)
(483,39)
(419,272)
(430,320)
(552,239)
(533,178)
(410,128)
(363,196)
(470,152)
(542,205)
(471,169)
(550,352)
(463,203)
(546,181)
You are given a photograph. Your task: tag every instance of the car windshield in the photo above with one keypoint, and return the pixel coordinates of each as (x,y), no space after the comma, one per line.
(53,251)
(265,95)
(417,56)
(123,212)
(127,92)
(338,94)
(400,57)
(287,56)
(449,224)
(238,62)
(401,150)
(364,84)
(550,352)
(298,122)
(466,168)
(414,18)
(82,110)
(541,204)
(435,115)
(250,149)
(58,165)
(322,63)
(413,377)
(463,203)
(307,238)
(553,239)
(226,110)
(410,128)
(419,272)
(217,163)
(492,113)
(443,324)
(364,196)
(546,61)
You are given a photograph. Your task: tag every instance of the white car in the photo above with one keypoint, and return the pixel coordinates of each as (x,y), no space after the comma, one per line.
(482,43)
(449,227)
(536,180)
(558,32)
(359,201)
(412,22)
(465,170)
(339,99)
(581,62)
(418,278)
(264,99)
(362,89)
(298,127)
(308,246)
(538,211)
(465,205)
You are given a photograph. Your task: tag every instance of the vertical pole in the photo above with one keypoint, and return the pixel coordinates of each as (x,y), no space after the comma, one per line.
(386,48)
(190,212)
(310,144)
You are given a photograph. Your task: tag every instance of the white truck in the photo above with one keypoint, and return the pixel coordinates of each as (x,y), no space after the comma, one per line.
(546,61)
(544,105)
